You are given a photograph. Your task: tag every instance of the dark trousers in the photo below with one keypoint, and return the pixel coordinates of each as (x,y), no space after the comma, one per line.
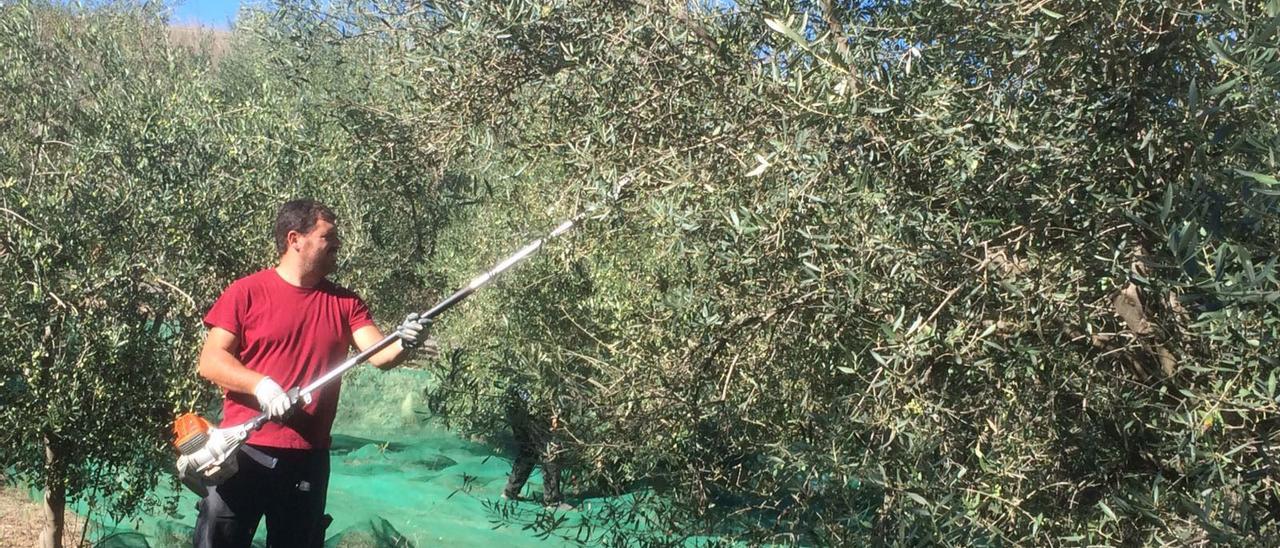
(534,443)
(287,486)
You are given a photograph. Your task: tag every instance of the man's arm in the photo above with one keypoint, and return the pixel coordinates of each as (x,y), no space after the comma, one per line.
(219,364)
(392,355)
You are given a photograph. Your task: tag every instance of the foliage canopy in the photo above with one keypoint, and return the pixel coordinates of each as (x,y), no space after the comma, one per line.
(943,272)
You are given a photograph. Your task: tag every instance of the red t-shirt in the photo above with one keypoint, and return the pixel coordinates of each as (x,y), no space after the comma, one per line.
(293,335)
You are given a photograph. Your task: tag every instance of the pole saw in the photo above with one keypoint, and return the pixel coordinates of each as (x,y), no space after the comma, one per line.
(207,453)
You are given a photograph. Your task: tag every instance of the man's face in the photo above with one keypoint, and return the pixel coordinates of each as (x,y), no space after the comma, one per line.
(318,249)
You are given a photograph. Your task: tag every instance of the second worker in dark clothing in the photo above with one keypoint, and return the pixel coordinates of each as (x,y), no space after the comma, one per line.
(535,441)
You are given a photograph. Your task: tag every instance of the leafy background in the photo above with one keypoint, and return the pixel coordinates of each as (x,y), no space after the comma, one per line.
(905,272)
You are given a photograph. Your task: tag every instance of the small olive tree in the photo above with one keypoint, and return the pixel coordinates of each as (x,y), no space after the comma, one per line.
(102,249)
(137,179)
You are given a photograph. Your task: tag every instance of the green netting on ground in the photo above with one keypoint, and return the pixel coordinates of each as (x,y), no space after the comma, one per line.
(397,479)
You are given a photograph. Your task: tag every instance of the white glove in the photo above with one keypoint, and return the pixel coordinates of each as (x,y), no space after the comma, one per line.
(189,477)
(219,454)
(272,399)
(215,475)
(411,330)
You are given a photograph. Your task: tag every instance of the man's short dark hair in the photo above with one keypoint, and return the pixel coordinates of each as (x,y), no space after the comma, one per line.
(299,216)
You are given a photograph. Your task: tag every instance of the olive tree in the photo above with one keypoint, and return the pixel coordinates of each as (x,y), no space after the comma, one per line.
(138,178)
(926,271)
(115,232)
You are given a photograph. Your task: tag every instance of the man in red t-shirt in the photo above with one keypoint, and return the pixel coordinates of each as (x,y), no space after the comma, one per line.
(270,331)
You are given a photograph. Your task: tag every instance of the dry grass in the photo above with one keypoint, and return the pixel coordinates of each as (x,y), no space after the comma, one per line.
(21,520)
(197,37)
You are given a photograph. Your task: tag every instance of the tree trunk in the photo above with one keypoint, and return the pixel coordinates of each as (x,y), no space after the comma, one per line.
(55,498)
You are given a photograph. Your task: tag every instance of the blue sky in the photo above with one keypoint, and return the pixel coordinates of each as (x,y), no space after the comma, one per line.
(210,13)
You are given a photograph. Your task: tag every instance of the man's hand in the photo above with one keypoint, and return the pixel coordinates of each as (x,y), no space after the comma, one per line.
(219,456)
(411,330)
(215,475)
(412,334)
(272,399)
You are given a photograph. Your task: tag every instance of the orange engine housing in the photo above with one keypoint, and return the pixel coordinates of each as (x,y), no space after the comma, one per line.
(190,431)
